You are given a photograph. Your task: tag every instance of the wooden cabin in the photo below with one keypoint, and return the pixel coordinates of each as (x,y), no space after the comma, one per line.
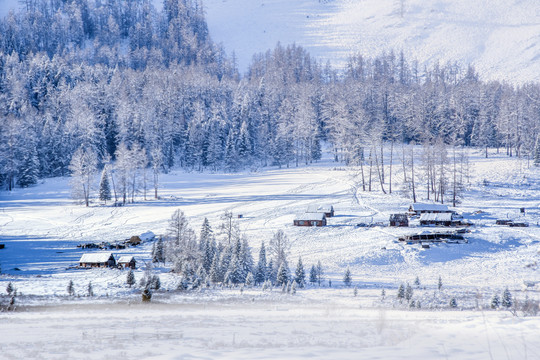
(126,262)
(327,210)
(438,219)
(310,219)
(97,260)
(401,220)
(419,209)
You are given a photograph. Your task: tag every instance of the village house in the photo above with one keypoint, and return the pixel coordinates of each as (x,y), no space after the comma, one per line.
(439,219)
(97,260)
(126,262)
(418,209)
(310,219)
(327,209)
(399,220)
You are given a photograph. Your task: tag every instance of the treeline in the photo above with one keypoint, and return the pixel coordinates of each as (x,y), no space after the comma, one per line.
(225,257)
(100,76)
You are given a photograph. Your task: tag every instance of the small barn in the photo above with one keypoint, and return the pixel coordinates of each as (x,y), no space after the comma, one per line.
(326,209)
(310,219)
(438,219)
(126,262)
(401,220)
(97,260)
(419,209)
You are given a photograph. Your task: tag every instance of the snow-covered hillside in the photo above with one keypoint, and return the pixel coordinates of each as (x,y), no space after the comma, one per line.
(498,37)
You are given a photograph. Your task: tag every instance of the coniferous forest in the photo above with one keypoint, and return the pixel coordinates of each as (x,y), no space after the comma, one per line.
(91,84)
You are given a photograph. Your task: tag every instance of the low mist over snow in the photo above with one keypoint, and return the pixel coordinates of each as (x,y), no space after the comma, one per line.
(499,38)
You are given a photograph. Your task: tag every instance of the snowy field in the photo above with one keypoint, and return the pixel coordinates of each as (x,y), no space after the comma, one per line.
(41,227)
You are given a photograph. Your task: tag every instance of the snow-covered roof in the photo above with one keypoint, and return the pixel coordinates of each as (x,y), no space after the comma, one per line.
(316,208)
(147,236)
(310,217)
(429,207)
(436,217)
(125,259)
(95,258)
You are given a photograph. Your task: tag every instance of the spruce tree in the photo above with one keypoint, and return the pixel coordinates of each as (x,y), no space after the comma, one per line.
(417,282)
(495,301)
(282,274)
(313,275)
(261,271)
(320,272)
(408,292)
(300,274)
(215,270)
(401,292)
(90,289)
(130,278)
(70,288)
(507,299)
(9,288)
(104,187)
(347,278)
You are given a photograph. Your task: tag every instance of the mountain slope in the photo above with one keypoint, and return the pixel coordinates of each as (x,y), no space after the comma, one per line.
(499,38)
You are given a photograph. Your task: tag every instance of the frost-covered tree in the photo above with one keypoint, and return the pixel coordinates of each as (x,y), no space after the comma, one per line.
(130,278)
(439,283)
(347,277)
(9,288)
(261,273)
(401,292)
(495,302)
(300,274)
(70,288)
(104,187)
(507,301)
(83,167)
(90,289)
(283,274)
(313,275)
(408,292)
(279,247)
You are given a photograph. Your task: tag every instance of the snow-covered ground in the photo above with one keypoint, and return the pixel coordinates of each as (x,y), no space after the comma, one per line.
(41,227)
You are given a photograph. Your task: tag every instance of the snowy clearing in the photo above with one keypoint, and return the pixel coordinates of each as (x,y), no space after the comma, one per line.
(41,227)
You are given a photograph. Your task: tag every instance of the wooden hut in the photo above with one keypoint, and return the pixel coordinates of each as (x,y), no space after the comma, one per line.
(326,209)
(438,219)
(419,209)
(310,219)
(126,262)
(97,260)
(401,220)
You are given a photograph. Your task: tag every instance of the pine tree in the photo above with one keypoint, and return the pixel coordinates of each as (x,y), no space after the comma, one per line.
(215,270)
(507,299)
(104,187)
(347,278)
(300,274)
(282,274)
(408,292)
(250,279)
(417,282)
(9,288)
(320,272)
(439,284)
(495,301)
(29,170)
(130,278)
(355,291)
(401,292)
(313,275)
(383,294)
(261,271)
(272,272)
(159,251)
(70,288)
(246,258)
(90,289)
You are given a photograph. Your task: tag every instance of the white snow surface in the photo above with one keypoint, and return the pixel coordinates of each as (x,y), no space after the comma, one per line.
(41,227)
(500,38)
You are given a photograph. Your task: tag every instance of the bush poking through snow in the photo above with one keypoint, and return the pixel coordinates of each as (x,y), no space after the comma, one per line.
(9,288)
(453,303)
